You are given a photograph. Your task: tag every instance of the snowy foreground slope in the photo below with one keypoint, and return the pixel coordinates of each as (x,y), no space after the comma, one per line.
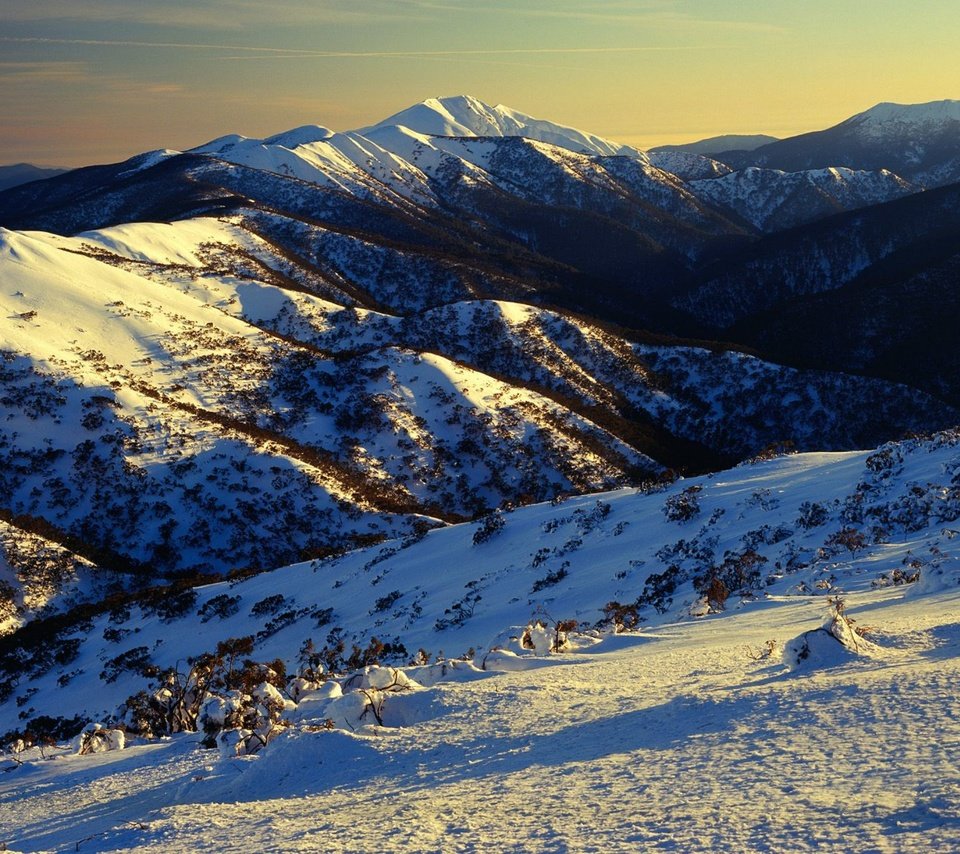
(673,739)
(696,732)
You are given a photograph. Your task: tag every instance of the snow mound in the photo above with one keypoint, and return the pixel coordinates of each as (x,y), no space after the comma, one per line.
(455,670)
(96,738)
(836,642)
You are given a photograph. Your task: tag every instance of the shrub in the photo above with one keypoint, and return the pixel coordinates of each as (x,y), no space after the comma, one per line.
(812,515)
(659,588)
(136,660)
(715,592)
(169,605)
(551,578)
(683,506)
(848,538)
(221,606)
(386,602)
(489,526)
(623,617)
(323,616)
(268,606)
(459,612)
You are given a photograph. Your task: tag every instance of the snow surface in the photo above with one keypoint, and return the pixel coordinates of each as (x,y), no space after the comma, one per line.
(674,739)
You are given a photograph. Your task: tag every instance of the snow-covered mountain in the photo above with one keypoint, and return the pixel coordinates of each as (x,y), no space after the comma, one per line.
(919,142)
(466,116)
(276,412)
(186,398)
(688,165)
(774,201)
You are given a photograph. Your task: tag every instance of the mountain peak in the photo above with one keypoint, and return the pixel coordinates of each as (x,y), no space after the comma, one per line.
(465,115)
(303,135)
(887,113)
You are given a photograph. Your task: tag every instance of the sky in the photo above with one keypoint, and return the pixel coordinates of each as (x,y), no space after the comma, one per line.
(96,81)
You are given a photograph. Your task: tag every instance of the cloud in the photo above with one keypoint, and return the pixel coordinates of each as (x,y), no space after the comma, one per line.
(53,72)
(38,40)
(235,15)
(216,15)
(661,14)
(164,89)
(250,52)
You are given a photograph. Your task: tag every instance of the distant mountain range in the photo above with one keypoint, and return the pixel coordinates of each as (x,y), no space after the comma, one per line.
(261,350)
(715,144)
(24,173)
(919,142)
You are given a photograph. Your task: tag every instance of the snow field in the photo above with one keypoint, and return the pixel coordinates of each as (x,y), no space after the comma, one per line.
(673,739)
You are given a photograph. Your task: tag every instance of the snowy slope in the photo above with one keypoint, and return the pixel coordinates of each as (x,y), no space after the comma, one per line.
(887,119)
(774,200)
(568,749)
(136,380)
(688,165)
(186,398)
(796,526)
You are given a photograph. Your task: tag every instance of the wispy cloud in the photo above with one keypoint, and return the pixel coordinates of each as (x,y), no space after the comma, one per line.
(38,40)
(251,52)
(660,14)
(52,72)
(235,15)
(217,15)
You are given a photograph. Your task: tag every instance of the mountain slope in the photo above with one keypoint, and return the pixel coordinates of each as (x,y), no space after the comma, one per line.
(715,144)
(23,173)
(823,256)
(187,398)
(896,320)
(783,530)
(527,210)
(919,142)
(775,201)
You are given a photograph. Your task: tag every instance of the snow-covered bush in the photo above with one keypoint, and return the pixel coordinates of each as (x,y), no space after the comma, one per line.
(683,506)
(96,738)
(834,642)
(222,606)
(623,617)
(356,709)
(489,526)
(380,679)
(240,723)
(812,515)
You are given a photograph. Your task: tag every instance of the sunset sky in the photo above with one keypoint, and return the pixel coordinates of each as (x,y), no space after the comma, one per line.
(94,81)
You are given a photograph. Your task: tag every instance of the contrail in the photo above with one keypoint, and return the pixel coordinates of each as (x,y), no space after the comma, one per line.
(118,43)
(288,53)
